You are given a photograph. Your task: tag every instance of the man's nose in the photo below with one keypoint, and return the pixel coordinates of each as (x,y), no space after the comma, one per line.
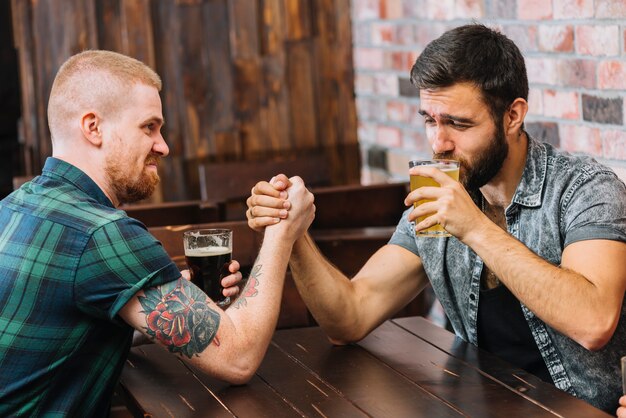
(160,147)
(440,141)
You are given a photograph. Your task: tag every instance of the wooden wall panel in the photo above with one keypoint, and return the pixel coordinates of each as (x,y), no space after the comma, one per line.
(275,110)
(300,82)
(242,79)
(125,27)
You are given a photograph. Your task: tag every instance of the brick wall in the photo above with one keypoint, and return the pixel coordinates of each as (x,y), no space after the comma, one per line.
(575,54)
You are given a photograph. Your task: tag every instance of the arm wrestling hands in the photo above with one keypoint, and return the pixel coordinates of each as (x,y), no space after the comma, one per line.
(347,309)
(227,344)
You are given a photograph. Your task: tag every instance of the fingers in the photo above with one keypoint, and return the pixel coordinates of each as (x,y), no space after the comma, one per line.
(267,206)
(263,188)
(432,172)
(234,266)
(231,291)
(230,283)
(186,275)
(423,193)
(280,182)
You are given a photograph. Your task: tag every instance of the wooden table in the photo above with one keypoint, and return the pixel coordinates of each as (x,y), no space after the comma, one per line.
(405,368)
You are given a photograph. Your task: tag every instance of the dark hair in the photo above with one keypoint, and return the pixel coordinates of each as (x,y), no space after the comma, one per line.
(478,55)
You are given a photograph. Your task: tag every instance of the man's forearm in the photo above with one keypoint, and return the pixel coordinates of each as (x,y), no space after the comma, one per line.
(326,291)
(255,312)
(564,299)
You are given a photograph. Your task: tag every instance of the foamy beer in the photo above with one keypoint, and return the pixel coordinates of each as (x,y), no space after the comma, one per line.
(449,167)
(208,253)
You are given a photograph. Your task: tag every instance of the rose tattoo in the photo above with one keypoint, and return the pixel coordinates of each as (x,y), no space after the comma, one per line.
(178,316)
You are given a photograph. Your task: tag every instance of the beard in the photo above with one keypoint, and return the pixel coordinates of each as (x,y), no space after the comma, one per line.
(128,189)
(480,170)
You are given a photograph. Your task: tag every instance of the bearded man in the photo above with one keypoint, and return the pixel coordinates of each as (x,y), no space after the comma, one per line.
(534,271)
(74,269)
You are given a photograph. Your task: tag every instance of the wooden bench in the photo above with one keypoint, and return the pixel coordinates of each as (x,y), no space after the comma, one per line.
(228,184)
(357,206)
(173,213)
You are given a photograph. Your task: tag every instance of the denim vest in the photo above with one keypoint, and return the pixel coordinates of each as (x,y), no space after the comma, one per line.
(560,199)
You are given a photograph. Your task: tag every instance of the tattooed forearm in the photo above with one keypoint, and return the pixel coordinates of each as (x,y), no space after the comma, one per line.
(251,288)
(178,316)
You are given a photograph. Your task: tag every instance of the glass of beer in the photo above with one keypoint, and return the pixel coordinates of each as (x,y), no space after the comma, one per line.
(208,253)
(449,167)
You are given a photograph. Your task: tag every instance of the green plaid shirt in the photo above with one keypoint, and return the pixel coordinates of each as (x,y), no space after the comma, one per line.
(69,261)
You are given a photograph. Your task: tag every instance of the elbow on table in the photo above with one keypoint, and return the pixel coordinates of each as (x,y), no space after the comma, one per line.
(344,337)
(238,372)
(598,337)
(240,377)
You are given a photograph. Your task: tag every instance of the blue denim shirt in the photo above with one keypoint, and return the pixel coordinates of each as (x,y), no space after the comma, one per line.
(560,199)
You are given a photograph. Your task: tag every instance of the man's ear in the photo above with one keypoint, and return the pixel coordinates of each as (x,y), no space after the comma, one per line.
(91,129)
(515,115)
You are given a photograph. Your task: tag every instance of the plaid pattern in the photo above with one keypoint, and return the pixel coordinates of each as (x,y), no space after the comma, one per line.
(69,261)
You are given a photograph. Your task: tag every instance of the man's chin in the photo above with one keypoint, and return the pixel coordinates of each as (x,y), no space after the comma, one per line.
(139,191)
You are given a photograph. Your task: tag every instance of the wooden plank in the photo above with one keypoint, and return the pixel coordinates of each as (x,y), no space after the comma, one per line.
(254,399)
(249,80)
(218,67)
(228,147)
(335,93)
(159,385)
(355,206)
(349,249)
(234,180)
(517,381)
(137,39)
(275,109)
(302,389)
(248,76)
(24,44)
(302,95)
(356,375)
(244,33)
(299,25)
(109,29)
(123,27)
(446,377)
(194,97)
(173,213)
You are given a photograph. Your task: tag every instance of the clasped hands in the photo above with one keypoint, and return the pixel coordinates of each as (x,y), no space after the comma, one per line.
(273,201)
(450,206)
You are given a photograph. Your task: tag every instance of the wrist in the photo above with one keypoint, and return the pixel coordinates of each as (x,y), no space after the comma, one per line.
(483,231)
(279,233)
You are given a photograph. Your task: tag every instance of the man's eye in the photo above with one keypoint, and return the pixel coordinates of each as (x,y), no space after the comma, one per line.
(457,125)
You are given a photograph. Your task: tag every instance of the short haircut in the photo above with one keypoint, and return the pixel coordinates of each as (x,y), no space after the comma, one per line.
(477,55)
(94,80)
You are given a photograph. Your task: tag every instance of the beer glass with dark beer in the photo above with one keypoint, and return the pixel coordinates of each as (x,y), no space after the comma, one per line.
(208,254)
(449,167)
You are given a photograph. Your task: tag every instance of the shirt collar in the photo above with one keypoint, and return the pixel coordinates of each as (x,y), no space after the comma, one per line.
(56,168)
(530,188)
